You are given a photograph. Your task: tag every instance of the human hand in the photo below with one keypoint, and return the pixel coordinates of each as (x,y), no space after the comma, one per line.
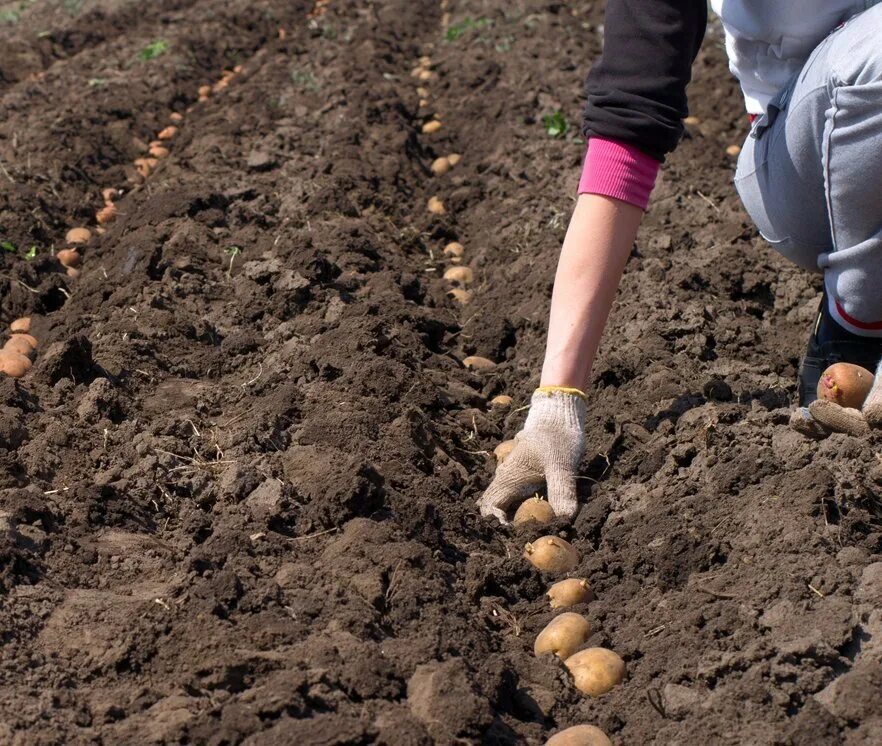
(822,417)
(547,451)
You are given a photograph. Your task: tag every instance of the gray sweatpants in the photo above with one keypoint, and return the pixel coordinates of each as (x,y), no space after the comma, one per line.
(810,174)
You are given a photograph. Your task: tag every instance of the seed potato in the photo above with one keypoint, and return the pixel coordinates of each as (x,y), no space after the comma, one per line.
(16,343)
(552,554)
(440,166)
(13,364)
(167,133)
(106,214)
(503,450)
(69,257)
(503,401)
(563,635)
(432,126)
(460,295)
(21,325)
(454,250)
(846,384)
(596,670)
(78,235)
(462,275)
(569,592)
(476,362)
(533,509)
(579,735)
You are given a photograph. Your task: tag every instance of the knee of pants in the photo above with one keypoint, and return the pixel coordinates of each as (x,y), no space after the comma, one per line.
(855,298)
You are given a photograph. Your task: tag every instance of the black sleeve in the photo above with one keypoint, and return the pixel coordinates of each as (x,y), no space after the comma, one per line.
(637,90)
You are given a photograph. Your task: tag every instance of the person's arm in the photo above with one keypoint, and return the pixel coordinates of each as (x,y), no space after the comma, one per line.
(636,100)
(599,239)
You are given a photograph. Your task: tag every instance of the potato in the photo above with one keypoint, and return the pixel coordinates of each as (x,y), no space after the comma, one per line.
(453,158)
(503,450)
(425,61)
(21,325)
(27,338)
(16,343)
(176,117)
(460,295)
(562,635)
(551,554)
(432,126)
(108,195)
(69,257)
(423,92)
(533,509)
(596,670)
(204,92)
(142,164)
(503,401)
(425,75)
(168,133)
(733,150)
(846,384)
(157,151)
(475,362)
(105,215)
(579,735)
(454,250)
(436,206)
(569,592)
(13,364)
(78,235)
(462,275)
(440,166)
(691,121)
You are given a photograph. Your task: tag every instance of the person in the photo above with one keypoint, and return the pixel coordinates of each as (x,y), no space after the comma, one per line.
(808,176)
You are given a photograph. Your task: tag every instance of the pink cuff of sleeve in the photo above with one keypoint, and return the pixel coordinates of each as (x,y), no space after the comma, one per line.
(615,169)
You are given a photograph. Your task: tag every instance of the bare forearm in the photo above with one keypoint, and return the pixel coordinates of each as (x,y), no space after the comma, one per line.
(595,250)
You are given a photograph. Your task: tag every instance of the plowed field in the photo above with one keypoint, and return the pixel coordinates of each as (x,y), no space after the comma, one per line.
(237,487)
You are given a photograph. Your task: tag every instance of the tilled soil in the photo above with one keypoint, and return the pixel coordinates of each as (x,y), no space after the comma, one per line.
(239,483)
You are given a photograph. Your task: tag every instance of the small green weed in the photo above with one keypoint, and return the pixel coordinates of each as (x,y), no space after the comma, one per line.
(456,30)
(304,79)
(232,252)
(153,50)
(555,124)
(27,254)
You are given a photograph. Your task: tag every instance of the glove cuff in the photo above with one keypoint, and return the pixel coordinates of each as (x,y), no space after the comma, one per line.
(557,408)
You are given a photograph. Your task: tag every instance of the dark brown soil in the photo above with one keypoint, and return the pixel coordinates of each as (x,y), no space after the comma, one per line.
(237,488)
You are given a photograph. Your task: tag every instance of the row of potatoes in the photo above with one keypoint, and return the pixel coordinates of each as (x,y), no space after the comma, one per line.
(19,350)
(595,670)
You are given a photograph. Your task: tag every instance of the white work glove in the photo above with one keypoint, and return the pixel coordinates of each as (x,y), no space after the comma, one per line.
(821,417)
(547,451)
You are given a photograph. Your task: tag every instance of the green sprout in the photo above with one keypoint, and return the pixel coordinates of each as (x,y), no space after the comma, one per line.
(456,30)
(153,50)
(232,252)
(555,124)
(11,248)
(304,79)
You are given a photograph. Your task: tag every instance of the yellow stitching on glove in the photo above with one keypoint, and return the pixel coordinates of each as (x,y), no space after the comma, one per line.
(562,390)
